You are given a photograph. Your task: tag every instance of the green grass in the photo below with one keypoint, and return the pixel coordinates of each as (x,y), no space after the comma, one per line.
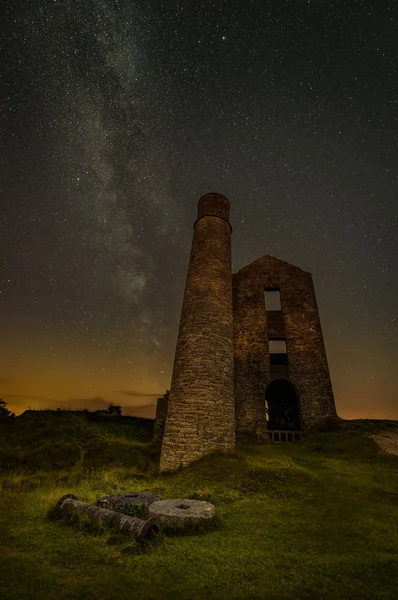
(317,519)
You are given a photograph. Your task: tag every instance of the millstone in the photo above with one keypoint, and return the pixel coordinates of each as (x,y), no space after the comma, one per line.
(182,515)
(125,502)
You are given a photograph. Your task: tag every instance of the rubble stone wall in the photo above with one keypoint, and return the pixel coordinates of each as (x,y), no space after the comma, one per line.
(298,323)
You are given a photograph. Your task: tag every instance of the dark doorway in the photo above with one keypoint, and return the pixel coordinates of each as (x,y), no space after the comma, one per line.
(282,406)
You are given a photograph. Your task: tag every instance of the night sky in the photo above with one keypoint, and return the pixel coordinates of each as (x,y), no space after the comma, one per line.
(116,116)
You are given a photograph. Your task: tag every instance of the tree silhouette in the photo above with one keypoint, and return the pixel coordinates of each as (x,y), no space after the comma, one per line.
(4,412)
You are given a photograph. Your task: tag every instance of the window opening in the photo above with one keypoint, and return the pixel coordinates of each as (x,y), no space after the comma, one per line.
(272,299)
(277,352)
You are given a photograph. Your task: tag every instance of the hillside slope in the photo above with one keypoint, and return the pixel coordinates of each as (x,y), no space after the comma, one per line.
(314,519)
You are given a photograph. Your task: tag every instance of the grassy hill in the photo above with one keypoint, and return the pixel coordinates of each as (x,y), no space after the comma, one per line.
(317,519)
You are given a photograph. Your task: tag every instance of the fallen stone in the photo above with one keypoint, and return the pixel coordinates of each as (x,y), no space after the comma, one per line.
(125,503)
(137,528)
(177,516)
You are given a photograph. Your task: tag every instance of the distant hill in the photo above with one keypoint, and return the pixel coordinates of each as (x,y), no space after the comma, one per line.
(50,439)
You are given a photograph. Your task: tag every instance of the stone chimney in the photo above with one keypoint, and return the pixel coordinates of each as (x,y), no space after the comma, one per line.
(201,412)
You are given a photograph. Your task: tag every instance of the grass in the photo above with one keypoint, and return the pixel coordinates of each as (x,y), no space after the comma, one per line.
(317,519)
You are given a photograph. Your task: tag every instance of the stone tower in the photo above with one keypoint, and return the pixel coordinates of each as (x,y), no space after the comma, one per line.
(201,406)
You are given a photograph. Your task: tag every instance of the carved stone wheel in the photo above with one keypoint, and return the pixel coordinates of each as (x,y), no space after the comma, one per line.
(182,515)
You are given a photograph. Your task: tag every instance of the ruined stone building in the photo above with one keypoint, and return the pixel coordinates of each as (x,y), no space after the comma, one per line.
(250,357)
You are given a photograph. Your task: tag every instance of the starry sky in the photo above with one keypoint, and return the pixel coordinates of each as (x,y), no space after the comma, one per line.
(117,115)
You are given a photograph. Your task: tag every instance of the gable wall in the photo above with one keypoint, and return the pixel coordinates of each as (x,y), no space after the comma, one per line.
(298,323)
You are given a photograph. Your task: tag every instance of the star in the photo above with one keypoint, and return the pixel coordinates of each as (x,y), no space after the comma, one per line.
(117,119)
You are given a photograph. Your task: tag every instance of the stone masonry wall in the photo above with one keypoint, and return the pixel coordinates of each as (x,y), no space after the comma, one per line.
(160,419)
(298,323)
(201,415)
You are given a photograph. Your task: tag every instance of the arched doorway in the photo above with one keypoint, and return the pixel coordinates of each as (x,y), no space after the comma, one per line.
(282,406)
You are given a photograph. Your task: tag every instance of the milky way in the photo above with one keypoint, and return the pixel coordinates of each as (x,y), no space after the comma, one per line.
(117,116)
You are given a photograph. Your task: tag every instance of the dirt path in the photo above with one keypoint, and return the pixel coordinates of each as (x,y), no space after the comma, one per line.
(387,441)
